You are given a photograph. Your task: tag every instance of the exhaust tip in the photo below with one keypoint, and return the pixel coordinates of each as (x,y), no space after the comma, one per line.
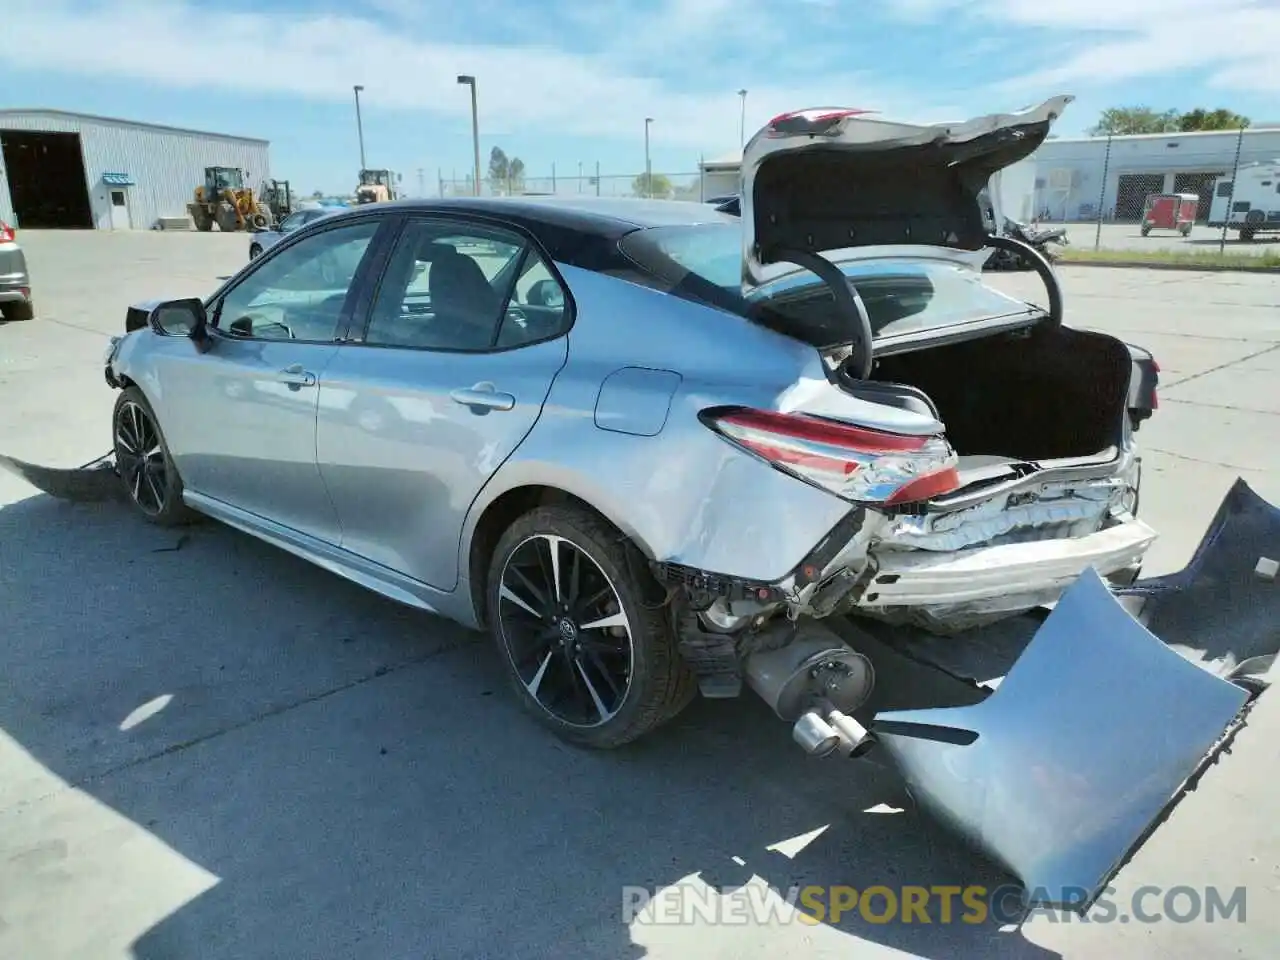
(815,736)
(859,738)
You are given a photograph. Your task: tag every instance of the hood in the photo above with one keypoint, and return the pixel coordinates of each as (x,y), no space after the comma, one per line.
(840,182)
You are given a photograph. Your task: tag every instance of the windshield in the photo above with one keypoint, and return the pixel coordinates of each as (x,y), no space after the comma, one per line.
(902,295)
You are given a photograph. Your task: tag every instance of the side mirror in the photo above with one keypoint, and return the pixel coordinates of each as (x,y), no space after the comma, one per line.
(546,293)
(182,318)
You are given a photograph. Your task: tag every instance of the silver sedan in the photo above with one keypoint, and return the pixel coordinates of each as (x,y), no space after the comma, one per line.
(656,450)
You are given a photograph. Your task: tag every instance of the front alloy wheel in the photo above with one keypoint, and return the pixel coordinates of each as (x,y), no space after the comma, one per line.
(589,648)
(142,459)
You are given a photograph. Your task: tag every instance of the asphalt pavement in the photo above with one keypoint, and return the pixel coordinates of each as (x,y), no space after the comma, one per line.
(209,748)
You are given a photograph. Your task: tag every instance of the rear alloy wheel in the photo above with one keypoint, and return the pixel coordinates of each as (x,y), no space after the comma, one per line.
(582,630)
(142,459)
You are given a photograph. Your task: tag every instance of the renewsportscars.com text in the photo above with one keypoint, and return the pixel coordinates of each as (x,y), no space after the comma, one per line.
(694,903)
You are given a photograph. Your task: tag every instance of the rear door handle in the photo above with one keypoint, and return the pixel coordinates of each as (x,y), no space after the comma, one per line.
(295,376)
(483,396)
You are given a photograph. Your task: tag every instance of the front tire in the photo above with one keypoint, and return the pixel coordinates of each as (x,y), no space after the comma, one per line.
(582,629)
(151,481)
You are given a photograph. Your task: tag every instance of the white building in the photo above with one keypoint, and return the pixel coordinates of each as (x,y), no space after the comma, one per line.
(72,170)
(1076,175)
(720,177)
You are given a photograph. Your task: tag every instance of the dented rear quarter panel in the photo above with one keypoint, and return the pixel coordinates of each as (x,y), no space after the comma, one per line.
(684,494)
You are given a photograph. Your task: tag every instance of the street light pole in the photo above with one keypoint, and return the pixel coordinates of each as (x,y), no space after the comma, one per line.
(742,122)
(648,167)
(469,81)
(360,126)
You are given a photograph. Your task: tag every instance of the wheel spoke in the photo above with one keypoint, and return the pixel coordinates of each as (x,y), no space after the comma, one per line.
(591,689)
(618,619)
(525,582)
(553,545)
(594,658)
(533,685)
(594,601)
(575,578)
(155,490)
(507,594)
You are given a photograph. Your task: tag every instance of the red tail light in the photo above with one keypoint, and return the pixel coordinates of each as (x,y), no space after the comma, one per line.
(856,463)
(7,233)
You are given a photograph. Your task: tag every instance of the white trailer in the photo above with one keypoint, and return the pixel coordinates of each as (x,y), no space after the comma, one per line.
(1254,202)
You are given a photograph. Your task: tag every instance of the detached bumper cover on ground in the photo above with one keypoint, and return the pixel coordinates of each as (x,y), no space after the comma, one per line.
(1094,733)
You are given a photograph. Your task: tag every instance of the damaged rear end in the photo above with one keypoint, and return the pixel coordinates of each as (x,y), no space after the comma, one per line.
(986,449)
(987,453)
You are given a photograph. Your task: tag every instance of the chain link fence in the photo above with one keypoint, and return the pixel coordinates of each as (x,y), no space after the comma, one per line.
(1217,195)
(585,181)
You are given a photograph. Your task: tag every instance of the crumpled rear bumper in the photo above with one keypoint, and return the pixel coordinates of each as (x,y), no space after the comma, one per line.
(921,578)
(1108,714)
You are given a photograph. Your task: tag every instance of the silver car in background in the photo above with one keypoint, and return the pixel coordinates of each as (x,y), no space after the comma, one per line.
(656,450)
(15,281)
(264,240)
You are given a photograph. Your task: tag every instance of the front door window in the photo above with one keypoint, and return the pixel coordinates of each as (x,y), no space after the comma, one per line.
(301,292)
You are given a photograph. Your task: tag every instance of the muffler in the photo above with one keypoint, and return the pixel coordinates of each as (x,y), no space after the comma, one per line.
(816,680)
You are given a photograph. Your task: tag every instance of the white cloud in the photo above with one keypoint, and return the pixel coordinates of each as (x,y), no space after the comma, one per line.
(1110,41)
(319,56)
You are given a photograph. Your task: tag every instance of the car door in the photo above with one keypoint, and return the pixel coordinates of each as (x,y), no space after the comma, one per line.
(241,417)
(447,379)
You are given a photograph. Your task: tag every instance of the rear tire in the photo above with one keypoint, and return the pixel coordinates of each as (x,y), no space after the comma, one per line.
(151,481)
(599,667)
(17,312)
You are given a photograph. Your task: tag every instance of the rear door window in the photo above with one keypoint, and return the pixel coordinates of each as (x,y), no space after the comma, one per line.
(469,288)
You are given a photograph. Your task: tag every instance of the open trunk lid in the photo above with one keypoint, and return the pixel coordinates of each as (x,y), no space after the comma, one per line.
(843,185)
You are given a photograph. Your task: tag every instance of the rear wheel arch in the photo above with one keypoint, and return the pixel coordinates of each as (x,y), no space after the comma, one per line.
(498,515)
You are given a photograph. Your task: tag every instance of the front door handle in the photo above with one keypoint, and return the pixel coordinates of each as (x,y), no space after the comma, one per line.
(295,376)
(483,396)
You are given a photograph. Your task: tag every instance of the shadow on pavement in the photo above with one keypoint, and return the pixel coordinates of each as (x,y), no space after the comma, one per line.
(358,780)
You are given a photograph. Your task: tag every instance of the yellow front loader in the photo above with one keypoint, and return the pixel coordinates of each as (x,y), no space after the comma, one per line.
(226,201)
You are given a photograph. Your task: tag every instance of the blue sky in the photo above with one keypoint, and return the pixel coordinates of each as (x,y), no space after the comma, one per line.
(569,82)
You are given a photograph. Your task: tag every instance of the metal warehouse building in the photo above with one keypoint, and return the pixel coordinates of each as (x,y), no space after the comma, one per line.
(1070,172)
(71,170)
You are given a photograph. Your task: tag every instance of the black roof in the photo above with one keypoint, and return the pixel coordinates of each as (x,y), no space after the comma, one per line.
(579,230)
(614,216)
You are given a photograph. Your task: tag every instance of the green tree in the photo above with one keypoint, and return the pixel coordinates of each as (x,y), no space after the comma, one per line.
(515,175)
(1219,119)
(506,174)
(1119,121)
(655,185)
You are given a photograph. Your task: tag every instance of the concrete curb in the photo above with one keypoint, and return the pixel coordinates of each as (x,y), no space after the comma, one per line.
(1186,267)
